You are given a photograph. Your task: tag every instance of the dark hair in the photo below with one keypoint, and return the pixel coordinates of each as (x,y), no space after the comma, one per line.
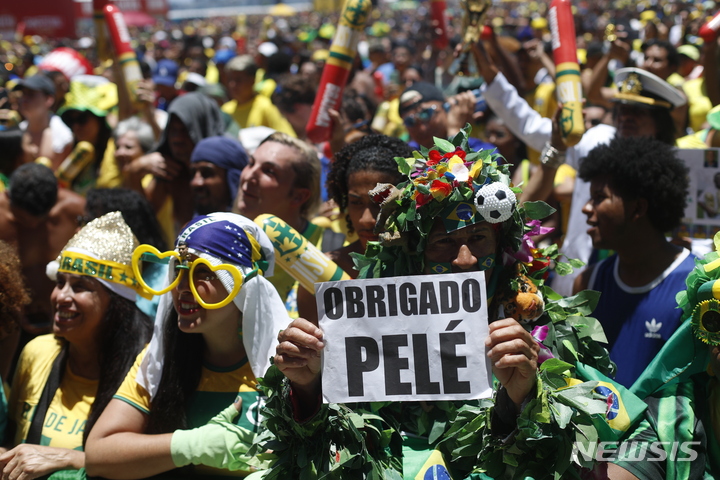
(642,167)
(277,64)
(13,294)
(124,332)
(291,90)
(11,148)
(672,56)
(53,74)
(357,107)
(104,135)
(406,44)
(33,188)
(371,152)
(135,209)
(181,374)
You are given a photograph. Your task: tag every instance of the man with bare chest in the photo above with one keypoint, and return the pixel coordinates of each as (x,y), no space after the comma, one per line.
(39,220)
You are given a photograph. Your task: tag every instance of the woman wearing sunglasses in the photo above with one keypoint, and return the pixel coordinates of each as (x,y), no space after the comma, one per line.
(215,331)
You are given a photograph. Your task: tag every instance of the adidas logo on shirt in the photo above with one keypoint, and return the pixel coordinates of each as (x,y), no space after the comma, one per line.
(653,327)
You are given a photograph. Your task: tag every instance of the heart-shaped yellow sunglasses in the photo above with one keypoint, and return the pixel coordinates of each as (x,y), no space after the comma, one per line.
(198,270)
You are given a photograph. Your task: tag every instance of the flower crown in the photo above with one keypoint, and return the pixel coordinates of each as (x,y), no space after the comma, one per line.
(451,182)
(461,187)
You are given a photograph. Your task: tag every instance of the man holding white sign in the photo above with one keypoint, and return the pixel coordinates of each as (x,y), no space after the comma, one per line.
(408,337)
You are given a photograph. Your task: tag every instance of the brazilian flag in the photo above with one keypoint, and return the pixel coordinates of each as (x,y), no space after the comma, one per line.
(422,462)
(682,356)
(624,408)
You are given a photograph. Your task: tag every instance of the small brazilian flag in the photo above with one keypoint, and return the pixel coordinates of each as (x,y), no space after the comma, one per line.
(421,462)
(440,267)
(624,408)
(458,215)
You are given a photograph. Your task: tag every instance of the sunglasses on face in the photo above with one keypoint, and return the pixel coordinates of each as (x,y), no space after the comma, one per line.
(362,126)
(423,116)
(198,271)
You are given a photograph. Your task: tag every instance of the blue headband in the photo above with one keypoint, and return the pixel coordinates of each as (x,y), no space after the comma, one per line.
(219,238)
(225,153)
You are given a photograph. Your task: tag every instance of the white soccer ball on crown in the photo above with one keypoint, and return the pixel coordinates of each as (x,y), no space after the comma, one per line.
(495,202)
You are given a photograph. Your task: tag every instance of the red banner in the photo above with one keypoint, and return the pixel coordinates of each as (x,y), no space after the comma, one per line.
(157,8)
(57,19)
(38,17)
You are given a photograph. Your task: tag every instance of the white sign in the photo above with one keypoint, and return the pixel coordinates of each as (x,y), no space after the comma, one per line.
(703,206)
(405,338)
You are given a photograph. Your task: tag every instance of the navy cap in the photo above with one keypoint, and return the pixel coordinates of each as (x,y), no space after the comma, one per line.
(166,73)
(38,82)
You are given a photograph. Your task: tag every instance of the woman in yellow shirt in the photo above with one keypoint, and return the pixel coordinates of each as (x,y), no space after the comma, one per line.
(64,380)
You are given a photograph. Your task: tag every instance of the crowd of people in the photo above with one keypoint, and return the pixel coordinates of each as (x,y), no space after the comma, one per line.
(149,327)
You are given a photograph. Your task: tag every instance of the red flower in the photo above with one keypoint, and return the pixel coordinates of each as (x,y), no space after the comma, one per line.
(458,151)
(421,199)
(440,189)
(435,157)
(538,264)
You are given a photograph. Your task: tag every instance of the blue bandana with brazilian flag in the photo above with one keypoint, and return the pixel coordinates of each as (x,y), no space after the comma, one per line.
(222,239)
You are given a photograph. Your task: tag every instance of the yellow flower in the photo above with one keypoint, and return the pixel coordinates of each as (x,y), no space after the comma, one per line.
(476,169)
(420,180)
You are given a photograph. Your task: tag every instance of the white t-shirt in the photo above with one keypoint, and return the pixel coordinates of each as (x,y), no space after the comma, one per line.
(62,136)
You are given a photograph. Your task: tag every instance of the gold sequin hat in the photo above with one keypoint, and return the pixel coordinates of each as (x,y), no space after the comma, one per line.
(639,86)
(103,250)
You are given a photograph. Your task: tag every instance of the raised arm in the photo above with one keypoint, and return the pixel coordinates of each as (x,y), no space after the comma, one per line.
(507,65)
(596,92)
(503,99)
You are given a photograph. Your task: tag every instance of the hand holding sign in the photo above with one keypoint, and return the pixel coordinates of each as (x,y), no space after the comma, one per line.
(514,356)
(298,356)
